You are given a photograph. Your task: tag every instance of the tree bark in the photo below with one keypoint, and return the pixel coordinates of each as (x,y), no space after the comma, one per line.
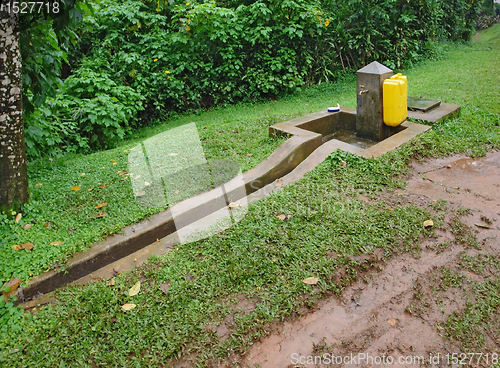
(13,169)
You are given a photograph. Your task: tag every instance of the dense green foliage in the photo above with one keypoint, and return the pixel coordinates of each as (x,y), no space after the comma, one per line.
(139,61)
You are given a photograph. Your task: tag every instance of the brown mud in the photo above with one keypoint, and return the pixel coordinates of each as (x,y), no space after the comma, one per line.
(398,312)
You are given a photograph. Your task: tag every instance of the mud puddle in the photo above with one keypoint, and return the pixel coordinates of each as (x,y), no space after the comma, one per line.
(384,318)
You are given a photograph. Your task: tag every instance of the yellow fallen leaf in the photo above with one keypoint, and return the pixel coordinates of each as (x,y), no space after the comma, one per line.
(114,163)
(27,226)
(57,242)
(428,223)
(76,187)
(283,217)
(100,214)
(91,189)
(134,290)
(127,307)
(100,205)
(102,186)
(141,193)
(28,246)
(111,282)
(234,205)
(311,281)
(18,217)
(10,287)
(38,185)
(17,247)
(82,174)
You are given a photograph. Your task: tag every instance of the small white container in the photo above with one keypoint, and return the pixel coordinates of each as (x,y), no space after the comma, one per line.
(334,109)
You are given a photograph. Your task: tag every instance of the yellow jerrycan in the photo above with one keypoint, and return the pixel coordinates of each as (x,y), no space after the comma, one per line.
(395,95)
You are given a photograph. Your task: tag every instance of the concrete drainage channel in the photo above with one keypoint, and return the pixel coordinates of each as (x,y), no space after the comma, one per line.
(311,139)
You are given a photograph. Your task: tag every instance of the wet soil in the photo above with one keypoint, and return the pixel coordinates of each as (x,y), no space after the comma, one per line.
(398,312)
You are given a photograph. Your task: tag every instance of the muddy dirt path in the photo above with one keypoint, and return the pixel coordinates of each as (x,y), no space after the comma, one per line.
(383,317)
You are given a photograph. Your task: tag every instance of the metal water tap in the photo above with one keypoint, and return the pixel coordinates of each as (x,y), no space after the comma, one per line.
(363,91)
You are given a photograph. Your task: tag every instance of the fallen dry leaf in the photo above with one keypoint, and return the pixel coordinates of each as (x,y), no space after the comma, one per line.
(311,281)
(100,205)
(27,227)
(76,187)
(10,287)
(57,242)
(27,246)
(283,217)
(236,131)
(234,205)
(137,177)
(91,189)
(127,307)
(249,154)
(18,217)
(134,290)
(17,247)
(393,322)
(428,223)
(114,163)
(484,226)
(46,225)
(82,174)
(38,185)
(111,282)
(102,186)
(100,214)
(141,193)
(165,286)
(344,164)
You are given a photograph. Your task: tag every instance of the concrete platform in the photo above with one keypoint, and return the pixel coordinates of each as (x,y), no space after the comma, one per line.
(442,112)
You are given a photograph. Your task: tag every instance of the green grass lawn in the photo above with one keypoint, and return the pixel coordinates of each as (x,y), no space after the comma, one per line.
(262,259)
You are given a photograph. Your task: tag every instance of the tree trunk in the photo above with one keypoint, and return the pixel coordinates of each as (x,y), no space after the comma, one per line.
(13,170)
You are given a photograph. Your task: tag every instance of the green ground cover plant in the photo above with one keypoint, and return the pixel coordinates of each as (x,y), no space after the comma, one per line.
(191,290)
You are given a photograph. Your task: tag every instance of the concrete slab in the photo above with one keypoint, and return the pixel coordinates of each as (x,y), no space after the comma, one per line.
(442,112)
